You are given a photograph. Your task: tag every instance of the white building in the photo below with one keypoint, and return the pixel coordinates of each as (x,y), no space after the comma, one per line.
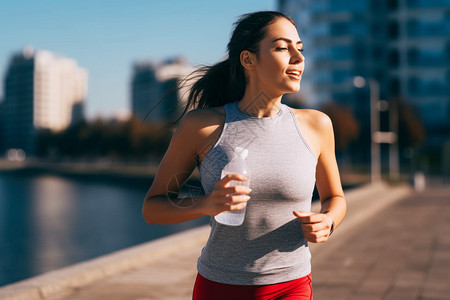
(41,91)
(59,86)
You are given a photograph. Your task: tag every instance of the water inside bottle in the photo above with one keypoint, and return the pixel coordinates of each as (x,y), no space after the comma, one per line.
(233,217)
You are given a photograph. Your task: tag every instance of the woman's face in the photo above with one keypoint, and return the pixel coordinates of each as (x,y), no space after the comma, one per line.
(280,63)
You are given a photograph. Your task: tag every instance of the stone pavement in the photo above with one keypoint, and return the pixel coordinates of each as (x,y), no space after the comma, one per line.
(401,253)
(393,244)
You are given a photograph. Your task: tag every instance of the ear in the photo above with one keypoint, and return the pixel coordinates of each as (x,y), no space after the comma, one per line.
(247,59)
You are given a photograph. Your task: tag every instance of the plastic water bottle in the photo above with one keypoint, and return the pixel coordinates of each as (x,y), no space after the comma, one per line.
(237,165)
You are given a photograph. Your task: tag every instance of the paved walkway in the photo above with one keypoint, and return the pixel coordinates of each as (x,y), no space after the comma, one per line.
(401,253)
(393,244)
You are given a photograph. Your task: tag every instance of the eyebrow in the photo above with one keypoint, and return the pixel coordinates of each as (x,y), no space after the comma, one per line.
(286,40)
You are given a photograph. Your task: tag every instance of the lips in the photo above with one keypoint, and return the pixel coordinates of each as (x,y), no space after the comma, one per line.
(294,73)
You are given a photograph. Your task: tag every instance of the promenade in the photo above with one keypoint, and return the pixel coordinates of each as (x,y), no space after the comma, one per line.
(393,244)
(402,252)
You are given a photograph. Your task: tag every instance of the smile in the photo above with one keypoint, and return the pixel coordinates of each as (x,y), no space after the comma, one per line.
(294,74)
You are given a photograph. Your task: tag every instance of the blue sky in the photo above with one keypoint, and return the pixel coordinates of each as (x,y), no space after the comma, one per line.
(107,37)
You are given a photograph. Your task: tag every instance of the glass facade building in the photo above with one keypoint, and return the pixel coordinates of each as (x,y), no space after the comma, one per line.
(403,44)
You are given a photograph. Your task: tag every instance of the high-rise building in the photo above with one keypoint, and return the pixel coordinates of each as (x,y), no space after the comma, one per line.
(419,57)
(41,91)
(157,90)
(1,124)
(404,45)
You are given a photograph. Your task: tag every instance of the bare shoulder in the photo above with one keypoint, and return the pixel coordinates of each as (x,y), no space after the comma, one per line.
(316,120)
(200,129)
(316,128)
(203,120)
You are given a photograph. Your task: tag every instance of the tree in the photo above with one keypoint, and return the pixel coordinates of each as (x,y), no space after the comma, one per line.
(346,127)
(410,126)
(100,138)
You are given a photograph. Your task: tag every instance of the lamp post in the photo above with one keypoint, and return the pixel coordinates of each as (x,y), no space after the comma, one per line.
(376,136)
(394,161)
(375,153)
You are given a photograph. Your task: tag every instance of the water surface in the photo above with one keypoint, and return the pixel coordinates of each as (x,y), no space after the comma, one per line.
(48,222)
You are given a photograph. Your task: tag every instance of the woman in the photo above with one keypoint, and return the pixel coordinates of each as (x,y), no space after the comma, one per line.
(289,150)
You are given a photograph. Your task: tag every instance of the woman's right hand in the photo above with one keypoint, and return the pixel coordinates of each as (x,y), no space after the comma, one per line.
(226,198)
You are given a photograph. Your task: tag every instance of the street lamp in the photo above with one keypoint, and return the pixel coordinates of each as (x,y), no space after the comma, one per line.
(375,153)
(376,136)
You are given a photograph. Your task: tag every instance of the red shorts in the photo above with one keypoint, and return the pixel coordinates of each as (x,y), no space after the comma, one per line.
(298,289)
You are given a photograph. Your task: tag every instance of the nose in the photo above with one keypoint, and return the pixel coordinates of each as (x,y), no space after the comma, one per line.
(297,57)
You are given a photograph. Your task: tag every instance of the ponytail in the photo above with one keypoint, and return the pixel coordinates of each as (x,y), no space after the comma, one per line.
(225,81)
(215,86)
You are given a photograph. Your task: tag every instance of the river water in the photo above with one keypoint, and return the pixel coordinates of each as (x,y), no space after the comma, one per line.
(48,221)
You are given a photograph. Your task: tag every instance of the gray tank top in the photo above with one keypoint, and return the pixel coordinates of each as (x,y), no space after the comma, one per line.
(269,246)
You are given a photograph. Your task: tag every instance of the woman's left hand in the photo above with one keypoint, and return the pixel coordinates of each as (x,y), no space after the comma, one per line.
(316,227)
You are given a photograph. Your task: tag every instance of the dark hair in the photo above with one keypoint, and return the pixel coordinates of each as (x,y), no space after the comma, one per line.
(225,81)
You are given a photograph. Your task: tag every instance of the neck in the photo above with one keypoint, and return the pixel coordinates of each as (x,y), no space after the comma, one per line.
(259,104)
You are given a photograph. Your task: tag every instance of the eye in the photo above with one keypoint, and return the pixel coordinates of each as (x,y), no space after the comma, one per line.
(300,49)
(281,48)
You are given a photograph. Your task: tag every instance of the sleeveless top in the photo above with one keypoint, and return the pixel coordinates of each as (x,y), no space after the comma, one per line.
(269,246)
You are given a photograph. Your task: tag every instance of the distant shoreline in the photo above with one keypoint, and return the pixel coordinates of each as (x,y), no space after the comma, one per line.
(98,171)
(119,172)
(85,168)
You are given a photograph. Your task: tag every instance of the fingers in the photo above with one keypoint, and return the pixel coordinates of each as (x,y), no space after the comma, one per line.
(232,177)
(315,227)
(307,217)
(303,215)
(238,205)
(316,237)
(231,198)
(230,202)
(233,193)
(229,193)
(236,189)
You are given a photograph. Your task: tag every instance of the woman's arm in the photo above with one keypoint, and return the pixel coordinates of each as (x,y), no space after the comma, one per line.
(198,130)
(318,227)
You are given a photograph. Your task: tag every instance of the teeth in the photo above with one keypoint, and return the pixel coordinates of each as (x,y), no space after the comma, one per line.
(294,73)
